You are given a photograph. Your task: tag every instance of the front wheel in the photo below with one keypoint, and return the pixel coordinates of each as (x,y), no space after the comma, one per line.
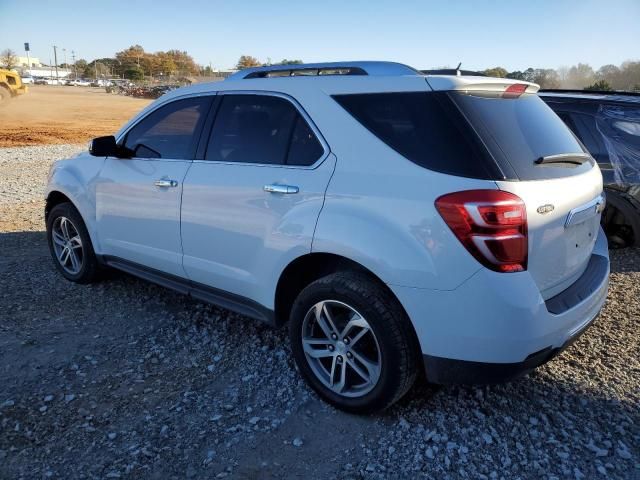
(353,342)
(70,244)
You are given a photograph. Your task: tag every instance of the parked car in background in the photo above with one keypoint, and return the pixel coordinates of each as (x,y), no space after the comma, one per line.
(78,82)
(28,80)
(608,124)
(100,83)
(397,222)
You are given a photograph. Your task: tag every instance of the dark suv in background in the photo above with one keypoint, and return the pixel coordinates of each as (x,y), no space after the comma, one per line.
(608,124)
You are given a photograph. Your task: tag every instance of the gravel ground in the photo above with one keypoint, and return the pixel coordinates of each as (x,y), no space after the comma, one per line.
(123,379)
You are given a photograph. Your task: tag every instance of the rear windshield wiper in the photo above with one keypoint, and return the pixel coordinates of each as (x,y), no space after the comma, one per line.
(572,158)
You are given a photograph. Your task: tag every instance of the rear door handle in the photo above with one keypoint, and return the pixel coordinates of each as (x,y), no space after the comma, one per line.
(274,188)
(165,182)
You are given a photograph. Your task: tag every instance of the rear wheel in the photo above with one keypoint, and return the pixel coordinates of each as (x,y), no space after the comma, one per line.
(353,343)
(70,244)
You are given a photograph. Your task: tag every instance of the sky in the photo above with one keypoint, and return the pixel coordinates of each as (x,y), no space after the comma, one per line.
(423,34)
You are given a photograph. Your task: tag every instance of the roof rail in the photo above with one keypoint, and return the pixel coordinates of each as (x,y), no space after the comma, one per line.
(321,69)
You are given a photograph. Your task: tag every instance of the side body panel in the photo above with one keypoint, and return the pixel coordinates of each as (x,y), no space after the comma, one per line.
(76,178)
(239,238)
(379,209)
(137,220)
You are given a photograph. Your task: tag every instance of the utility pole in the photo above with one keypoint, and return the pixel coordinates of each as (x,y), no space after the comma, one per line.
(75,70)
(55,59)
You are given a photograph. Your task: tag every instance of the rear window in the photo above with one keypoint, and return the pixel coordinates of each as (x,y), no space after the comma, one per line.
(518,131)
(425,128)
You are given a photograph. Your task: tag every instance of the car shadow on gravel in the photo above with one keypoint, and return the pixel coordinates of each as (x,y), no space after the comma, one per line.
(127,379)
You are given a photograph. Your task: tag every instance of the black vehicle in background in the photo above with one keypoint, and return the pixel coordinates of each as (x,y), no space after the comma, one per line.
(608,124)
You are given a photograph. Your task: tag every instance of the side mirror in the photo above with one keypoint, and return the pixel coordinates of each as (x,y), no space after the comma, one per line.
(105,147)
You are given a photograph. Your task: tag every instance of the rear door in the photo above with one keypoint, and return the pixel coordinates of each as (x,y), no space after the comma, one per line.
(138,199)
(548,168)
(250,205)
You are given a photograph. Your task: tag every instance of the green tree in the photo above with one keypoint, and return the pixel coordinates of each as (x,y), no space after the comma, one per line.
(546,78)
(8,59)
(79,67)
(629,75)
(600,86)
(97,69)
(289,62)
(579,76)
(134,73)
(247,61)
(517,75)
(498,72)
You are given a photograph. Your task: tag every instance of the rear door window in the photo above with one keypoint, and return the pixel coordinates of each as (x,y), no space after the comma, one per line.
(518,131)
(424,127)
(252,129)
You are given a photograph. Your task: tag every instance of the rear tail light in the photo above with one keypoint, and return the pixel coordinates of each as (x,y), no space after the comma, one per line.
(491,224)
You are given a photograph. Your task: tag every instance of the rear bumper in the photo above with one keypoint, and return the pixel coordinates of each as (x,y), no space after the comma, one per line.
(447,371)
(497,326)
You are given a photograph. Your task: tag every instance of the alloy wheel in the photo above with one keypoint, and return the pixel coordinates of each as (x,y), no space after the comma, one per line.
(341,348)
(67,245)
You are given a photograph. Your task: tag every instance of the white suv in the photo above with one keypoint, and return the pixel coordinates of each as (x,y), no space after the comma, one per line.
(396,221)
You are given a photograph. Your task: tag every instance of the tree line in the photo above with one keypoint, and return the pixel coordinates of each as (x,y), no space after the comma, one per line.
(581,76)
(135,64)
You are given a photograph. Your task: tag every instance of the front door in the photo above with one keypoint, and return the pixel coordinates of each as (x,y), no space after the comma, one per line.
(138,198)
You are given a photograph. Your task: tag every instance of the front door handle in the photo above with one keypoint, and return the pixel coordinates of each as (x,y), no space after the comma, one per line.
(275,188)
(165,182)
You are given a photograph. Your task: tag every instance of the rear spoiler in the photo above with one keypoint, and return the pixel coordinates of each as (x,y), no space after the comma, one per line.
(480,84)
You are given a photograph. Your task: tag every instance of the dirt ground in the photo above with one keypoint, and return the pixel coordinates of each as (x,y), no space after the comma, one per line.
(50,114)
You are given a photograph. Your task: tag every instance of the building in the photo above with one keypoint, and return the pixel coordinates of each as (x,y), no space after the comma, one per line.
(24,62)
(46,71)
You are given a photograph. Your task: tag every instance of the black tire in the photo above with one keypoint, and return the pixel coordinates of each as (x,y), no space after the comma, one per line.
(621,220)
(398,345)
(89,268)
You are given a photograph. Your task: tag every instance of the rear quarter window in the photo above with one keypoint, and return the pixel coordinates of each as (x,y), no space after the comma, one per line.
(425,128)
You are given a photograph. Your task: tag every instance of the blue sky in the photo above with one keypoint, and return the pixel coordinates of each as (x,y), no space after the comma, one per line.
(423,34)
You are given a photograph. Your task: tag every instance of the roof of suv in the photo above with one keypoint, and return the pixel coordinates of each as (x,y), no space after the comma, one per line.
(370,68)
(347,78)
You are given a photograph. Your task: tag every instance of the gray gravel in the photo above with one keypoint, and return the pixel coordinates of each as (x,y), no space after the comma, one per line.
(123,379)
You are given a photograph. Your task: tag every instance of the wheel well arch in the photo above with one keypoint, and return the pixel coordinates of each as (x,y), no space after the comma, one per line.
(308,268)
(54,198)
